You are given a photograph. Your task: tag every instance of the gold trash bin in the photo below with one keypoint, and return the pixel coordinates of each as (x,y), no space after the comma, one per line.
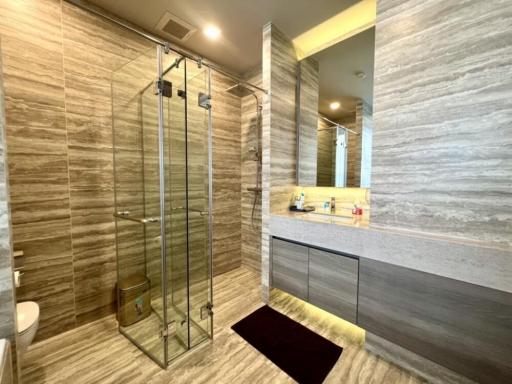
(134,299)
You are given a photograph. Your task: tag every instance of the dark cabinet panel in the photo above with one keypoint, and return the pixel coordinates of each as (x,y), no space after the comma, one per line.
(462,326)
(290,268)
(333,283)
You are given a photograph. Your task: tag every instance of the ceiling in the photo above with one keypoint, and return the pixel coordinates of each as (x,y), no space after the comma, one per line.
(239,47)
(338,81)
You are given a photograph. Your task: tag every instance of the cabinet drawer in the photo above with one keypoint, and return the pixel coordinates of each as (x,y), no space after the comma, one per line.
(290,268)
(333,283)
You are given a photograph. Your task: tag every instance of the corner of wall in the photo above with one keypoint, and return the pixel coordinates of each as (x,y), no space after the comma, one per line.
(8,327)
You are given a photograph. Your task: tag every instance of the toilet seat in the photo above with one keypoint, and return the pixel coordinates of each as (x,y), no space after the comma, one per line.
(27,315)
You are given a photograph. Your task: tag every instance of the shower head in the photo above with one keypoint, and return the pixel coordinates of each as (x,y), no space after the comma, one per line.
(239,90)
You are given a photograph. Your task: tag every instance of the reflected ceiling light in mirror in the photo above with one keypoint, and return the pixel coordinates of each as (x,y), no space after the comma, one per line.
(334,105)
(212,32)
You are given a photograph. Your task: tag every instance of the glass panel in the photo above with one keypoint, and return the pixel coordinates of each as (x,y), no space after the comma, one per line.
(176,222)
(146,302)
(198,207)
(135,131)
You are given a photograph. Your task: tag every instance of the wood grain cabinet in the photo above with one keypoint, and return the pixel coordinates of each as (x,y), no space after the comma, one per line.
(333,283)
(325,279)
(290,268)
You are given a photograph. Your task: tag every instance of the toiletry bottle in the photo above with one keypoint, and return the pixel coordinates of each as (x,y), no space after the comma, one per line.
(301,201)
(333,205)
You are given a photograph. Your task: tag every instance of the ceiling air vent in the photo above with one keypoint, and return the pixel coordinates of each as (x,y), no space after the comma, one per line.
(174,27)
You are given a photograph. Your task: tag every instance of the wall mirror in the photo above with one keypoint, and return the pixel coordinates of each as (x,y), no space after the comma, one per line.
(335,114)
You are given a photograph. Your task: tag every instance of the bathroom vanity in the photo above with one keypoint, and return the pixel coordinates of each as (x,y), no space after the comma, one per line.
(395,286)
(325,279)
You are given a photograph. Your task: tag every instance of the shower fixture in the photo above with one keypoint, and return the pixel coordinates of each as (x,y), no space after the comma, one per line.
(241,90)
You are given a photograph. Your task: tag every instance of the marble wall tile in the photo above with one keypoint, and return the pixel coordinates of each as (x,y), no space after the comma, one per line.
(279,66)
(227,175)
(283,134)
(58,65)
(366,145)
(442,149)
(354,146)
(307,125)
(251,138)
(7,290)
(266,69)
(93,48)
(325,155)
(35,108)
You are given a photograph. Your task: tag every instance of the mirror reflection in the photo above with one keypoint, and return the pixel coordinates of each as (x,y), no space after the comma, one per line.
(336,151)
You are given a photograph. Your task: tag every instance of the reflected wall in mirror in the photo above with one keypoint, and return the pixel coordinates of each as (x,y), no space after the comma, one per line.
(334,114)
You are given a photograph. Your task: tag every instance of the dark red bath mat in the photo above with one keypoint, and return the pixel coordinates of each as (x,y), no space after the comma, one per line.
(304,355)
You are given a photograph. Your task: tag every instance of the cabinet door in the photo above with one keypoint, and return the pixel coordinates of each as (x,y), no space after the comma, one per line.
(290,268)
(462,326)
(333,283)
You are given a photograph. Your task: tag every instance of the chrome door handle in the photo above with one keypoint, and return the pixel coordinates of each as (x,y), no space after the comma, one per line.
(142,220)
(202,213)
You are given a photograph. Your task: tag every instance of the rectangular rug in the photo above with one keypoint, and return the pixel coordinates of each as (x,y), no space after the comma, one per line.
(304,355)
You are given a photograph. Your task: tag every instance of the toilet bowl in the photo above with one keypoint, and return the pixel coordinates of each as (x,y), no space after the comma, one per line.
(27,314)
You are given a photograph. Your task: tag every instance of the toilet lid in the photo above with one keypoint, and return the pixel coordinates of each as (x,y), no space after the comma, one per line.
(27,314)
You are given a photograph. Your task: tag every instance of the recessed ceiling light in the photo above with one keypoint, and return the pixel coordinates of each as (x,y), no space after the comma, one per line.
(334,105)
(212,32)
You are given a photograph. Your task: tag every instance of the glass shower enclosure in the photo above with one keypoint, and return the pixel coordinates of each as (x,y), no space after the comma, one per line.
(163,202)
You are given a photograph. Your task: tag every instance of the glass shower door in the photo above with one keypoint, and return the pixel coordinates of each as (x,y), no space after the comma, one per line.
(137,201)
(174,120)
(199,183)
(162,172)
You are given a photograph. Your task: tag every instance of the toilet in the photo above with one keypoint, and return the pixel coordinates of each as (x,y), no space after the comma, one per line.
(27,313)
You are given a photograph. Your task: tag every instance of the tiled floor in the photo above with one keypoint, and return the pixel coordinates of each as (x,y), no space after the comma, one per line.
(97,353)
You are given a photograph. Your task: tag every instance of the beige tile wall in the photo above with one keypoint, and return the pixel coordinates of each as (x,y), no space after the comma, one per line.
(308,123)
(7,290)
(325,160)
(279,134)
(442,146)
(251,227)
(57,62)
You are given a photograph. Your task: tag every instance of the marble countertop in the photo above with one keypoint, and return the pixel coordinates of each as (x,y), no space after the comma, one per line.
(448,257)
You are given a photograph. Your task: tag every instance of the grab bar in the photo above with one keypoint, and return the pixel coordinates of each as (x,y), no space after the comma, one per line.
(150,220)
(201,212)
(143,220)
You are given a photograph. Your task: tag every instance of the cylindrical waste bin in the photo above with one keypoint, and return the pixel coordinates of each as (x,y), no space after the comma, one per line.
(134,299)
